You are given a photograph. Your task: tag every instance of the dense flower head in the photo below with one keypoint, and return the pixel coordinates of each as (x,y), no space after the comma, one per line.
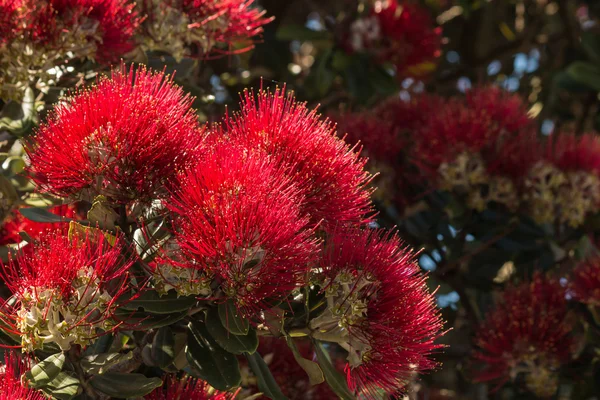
(125,138)
(64,288)
(565,183)
(330,173)
(8,20)
(187,388)
(400,33)
(237,221)
(529,333)
(289,375)
(50,33)
(585,282)
(378,308)
(201,28)
(16,222)
(11,387)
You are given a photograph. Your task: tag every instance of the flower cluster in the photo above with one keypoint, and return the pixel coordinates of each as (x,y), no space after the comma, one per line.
(585,282)
(39,36)
(200,28)
(400,33)
(371,284)
(11,387)
(63,299)
(187,388)
(126,137)
(528,335)
(255,209)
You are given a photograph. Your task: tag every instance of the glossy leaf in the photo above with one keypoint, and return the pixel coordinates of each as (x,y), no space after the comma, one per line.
(264,378)
(210,362)
(63,387)
(312,369)
(152,302)
(336,381)
(232,320)
(124,385)
(99,363)
(42,215)
(45,371)
(236,344)
(163,347)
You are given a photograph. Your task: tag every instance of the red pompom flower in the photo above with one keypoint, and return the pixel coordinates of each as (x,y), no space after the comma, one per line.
(11,387)
(585,282)
(237,221)
(528,333)
(201,28)
(64,289)
(378,308)
(330,173)
(125,139)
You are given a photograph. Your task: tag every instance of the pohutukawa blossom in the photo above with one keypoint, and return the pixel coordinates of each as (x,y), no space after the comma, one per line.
(585,282)
(123,139)
(400,33)
(8,20)
(11,387)
(201,28)
(566,182)
(50,33)
(237,222)
(64,289)
(528,333)
(16,222)
(479,147)
(187,388)
(378,308)
(330,173)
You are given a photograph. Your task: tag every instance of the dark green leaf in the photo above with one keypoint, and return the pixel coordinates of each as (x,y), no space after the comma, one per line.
(312,369)
(300,32)
(99,363)
(163,347)
(209,361)
(585,73)
(150,301)
(232,320)
(236,344)
(45,371)
(123,386)
(42,215)
(266,382)
(141,321)
(63,387)
(335,380)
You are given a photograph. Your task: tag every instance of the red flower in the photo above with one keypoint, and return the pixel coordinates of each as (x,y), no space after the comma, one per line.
(16,222)
(528,333)
(10,379)
(187,388)
(237,220)
(329,172)
(202,28)
(379,310)
(8,20)
(410,40)
(125,139)
(507,111)
(585,282)
(65,289)
(571,152)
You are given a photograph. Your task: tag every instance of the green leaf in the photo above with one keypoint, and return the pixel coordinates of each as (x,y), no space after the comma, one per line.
(300,32)
(13,165)
(45,371)
(63,387)
(124,385)
(236,344)
(19,118)
(231,318)
(585,73)
(590,42)
(210,362)
(312,369)
(336,381)
(42,215)
(141,321)
(152,302)
(8,194)
(265,380)
(163,347)
(98,363)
